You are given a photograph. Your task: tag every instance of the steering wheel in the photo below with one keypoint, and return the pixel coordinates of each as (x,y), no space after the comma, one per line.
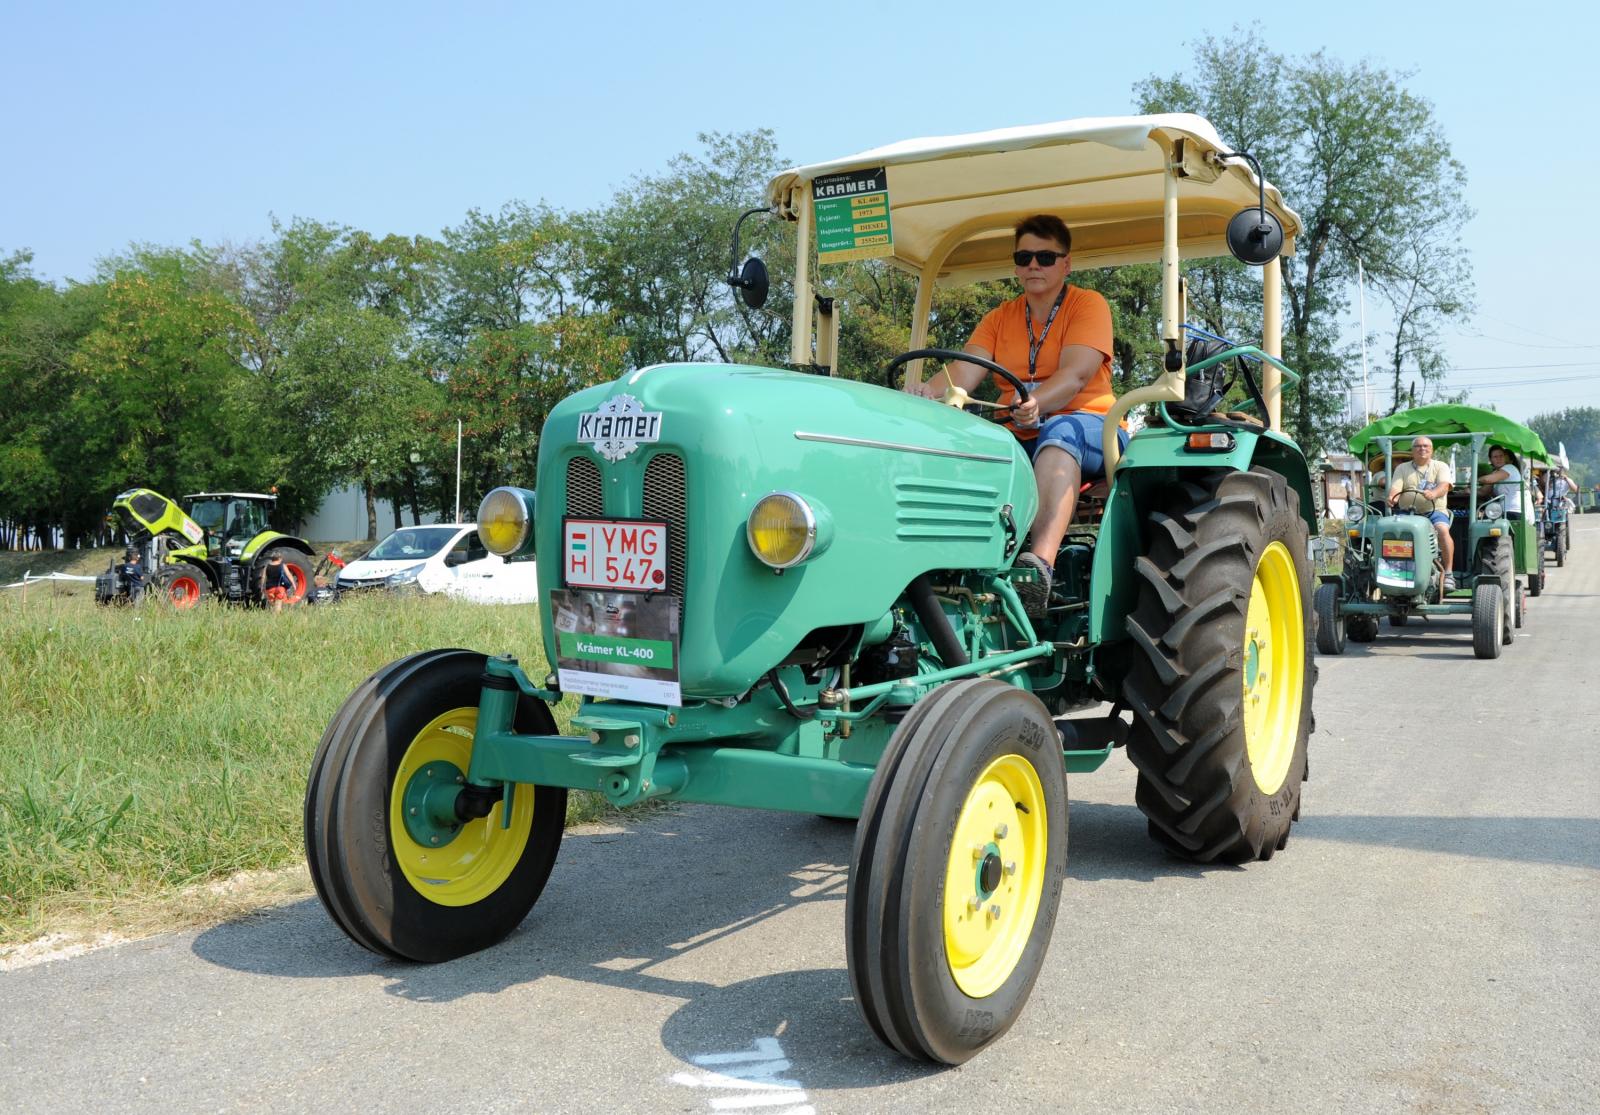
(955,396)
(1412,500)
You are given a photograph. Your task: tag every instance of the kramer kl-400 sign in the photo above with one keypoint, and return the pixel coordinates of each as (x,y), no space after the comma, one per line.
(786,590)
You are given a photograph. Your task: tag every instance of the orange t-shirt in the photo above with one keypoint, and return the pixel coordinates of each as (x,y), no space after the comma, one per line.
(1084,319)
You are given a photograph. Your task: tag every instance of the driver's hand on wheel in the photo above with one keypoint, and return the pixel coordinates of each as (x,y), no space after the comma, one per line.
(1026,415)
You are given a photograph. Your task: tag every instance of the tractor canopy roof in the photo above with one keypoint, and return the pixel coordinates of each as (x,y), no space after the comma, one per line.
(1454,418)
(233,495)
(1102,175)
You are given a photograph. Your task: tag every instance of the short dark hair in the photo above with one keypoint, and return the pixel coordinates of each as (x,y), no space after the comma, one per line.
(274,557)
(1047,226)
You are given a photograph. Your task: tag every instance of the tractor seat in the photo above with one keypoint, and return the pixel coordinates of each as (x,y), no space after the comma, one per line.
(1096,489)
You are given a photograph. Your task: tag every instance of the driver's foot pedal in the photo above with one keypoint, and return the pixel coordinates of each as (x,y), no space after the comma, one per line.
(1034,592)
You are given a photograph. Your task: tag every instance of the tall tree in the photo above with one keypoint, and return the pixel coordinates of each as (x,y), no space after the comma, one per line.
(1359,157)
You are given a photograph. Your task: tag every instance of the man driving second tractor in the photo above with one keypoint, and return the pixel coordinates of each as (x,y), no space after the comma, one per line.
(1429,479)
(1057,337)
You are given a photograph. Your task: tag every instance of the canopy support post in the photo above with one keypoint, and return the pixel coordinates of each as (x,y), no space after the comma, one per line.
(1272,340)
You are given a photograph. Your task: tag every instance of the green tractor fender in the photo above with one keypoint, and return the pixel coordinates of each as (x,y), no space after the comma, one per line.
(271,538)
(1156,459)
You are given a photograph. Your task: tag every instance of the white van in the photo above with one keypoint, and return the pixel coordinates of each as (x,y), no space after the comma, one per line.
(447,558)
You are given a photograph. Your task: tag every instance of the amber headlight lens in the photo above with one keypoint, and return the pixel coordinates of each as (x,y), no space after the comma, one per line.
(505,522)
(782,530)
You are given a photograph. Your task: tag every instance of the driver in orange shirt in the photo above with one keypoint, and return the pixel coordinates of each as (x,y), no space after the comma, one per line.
(1056,338)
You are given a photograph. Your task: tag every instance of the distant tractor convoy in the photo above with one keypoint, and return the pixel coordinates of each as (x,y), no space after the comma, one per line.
(213,545)
(1483,561)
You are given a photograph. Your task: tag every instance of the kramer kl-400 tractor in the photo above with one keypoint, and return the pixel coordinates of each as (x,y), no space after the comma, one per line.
(788,590)
(213,545)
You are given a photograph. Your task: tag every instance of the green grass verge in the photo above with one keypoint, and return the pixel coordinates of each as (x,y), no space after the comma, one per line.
(143,751)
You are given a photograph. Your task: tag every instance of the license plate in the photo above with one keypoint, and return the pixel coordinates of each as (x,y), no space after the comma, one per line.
(612,554)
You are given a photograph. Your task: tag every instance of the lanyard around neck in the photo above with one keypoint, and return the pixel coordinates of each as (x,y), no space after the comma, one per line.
(1035,345)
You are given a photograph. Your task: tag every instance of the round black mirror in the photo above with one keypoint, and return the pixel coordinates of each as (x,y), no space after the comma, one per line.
(753,282)
(1255,236)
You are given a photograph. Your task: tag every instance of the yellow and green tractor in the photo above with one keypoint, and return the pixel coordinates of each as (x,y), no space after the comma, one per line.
(213,544)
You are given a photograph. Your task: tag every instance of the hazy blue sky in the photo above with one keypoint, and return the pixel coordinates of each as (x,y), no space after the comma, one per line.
(169,122)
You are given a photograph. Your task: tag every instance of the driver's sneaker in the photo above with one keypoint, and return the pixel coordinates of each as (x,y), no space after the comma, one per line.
(1035,593)
(1449,583)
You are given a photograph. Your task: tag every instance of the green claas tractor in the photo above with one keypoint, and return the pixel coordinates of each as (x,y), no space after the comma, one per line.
(1394,561)
(787,590)
(214,544)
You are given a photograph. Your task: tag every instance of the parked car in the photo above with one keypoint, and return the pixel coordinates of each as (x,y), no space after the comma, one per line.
(447,558)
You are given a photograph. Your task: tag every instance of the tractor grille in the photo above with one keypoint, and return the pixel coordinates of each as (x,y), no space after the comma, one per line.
(666,497)
(585,497)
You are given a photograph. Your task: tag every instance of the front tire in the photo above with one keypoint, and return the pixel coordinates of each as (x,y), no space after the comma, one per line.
(957,870)
(1330,627)
(1488,615)
(185,588)
(417,890)
(1222,685)
(1495,560)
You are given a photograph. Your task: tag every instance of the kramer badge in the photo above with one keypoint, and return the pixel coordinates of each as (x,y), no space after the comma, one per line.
(618,427)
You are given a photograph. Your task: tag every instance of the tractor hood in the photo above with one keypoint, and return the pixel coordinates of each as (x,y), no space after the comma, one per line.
(899,486)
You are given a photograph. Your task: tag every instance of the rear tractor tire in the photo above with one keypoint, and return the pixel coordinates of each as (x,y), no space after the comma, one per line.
(1561,546)
(957,870)
(397,878)
(1221,682)
(1488,615)
(1330,627)
(300,572)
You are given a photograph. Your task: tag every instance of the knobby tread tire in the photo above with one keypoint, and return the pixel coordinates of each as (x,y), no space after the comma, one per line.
(1196,787)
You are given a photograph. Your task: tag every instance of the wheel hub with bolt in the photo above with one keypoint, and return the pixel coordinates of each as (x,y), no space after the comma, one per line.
(996,871)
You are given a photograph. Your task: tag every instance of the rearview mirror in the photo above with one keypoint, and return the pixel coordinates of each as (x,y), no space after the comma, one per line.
(1255,236)
(753,283)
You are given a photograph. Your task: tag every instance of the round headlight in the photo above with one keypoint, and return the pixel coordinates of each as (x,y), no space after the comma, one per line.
(505,522)
(782,530)
(1493,510)
(1356,512)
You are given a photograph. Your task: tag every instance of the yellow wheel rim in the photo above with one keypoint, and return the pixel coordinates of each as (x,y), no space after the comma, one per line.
(995,875)
(1274,668)
(480,857)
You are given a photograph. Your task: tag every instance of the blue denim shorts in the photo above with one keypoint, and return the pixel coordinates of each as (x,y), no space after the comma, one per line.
(1079,434)
(1442,518)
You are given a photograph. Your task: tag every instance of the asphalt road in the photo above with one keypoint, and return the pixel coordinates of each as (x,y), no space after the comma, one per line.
(1427,942)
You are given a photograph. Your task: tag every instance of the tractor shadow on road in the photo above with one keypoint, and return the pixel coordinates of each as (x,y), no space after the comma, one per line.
(678,906)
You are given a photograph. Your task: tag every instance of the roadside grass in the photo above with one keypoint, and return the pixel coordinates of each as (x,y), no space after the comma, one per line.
(147,752)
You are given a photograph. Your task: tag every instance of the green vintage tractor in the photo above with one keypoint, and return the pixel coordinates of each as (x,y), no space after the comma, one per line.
(787,590)
(1394,562)
(213,545)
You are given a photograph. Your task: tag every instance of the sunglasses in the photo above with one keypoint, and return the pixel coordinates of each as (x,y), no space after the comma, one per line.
(1046,258)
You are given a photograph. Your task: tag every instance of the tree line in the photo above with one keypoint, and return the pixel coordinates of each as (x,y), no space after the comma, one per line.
(327,354)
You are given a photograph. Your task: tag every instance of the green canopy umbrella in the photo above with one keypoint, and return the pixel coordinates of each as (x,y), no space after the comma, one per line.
(1454,418)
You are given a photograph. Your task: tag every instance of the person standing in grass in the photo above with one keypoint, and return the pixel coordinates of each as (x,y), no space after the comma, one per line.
(132,576)
(276,586)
